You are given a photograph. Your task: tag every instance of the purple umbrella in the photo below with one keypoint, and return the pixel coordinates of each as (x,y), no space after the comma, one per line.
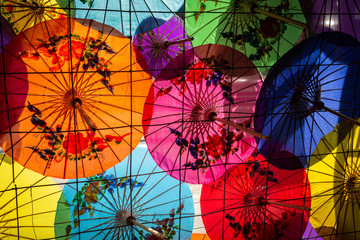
(333,15)
(162,44)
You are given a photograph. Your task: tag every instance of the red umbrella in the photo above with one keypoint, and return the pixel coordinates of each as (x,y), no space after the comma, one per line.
(257,201)
(189,107)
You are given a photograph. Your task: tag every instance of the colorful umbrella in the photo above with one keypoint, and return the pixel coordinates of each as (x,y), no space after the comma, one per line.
(330,15)
(184,113)
(307,92)
(127,15)
(25,14)
(86,95)
(162,44)
(334,177)
(247,26)
(27,202)
(135,191)
(256,201)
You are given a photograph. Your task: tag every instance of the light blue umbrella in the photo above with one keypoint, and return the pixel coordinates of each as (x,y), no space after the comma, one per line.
(128,16)
(113,205)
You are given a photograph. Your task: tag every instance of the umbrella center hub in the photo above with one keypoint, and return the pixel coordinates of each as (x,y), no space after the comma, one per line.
(300,105)
(123,218)
(71,98)
(37,8)
(243,6)
(352,184)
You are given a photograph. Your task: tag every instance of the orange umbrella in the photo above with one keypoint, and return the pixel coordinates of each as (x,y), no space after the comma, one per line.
(87,88)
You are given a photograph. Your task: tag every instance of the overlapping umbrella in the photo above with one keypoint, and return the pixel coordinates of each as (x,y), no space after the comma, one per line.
(27,203)
(256,201)
(127,16)
(331,15)
(307,92)
(335,183)
(114,204)
(25,14)
(162,44)
(188,104)
(243,25)
(87,87)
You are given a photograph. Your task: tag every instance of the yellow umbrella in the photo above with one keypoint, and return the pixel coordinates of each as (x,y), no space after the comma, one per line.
(28,203)
(24,14)
(199,236)
(334,175)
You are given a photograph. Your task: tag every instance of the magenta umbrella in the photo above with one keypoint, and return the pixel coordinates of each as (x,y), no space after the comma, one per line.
(184,113)
(333,15)
(163,43)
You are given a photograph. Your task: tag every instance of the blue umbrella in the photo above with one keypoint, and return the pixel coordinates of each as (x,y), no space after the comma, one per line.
(121,202)
(130,17)
(306,94)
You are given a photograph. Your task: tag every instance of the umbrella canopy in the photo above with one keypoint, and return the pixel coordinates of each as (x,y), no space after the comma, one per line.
(86,95)
(334,177)
(234,23)
(305,93)
(129,17)
(27,202)
(331,15)
(256,201)
(162,44)
(24,14)
(99,207)
(204,82)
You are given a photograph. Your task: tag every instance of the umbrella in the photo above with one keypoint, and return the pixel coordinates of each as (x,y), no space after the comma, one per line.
(86,95)
(307,92)
(256,201)
(334,177)
(27,203)
(186,109)
(126,16)
(122,201)
(162,44)
(259,29)
(24,14)
(326,15)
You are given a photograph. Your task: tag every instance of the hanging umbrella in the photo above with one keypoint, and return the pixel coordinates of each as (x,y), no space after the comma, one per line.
(188,104)
(259,29)
(334,177)
(162,44)
(114,204)
(339,15)
(128,15)
(256,201)
(86,95)
(13,83)
(307,92)
(27,202)
(25,14)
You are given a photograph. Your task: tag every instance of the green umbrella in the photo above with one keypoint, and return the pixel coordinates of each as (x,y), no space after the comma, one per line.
(262,30)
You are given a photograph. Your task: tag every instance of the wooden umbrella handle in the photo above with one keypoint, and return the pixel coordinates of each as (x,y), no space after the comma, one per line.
(167,44)
(85,116)
(237,126)
(282,204)
(132,220)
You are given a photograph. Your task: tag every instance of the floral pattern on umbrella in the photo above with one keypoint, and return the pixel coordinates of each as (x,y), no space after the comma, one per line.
(178,132)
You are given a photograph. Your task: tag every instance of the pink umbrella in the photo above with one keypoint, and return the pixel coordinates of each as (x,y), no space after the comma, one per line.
(163,43)
(195,109)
